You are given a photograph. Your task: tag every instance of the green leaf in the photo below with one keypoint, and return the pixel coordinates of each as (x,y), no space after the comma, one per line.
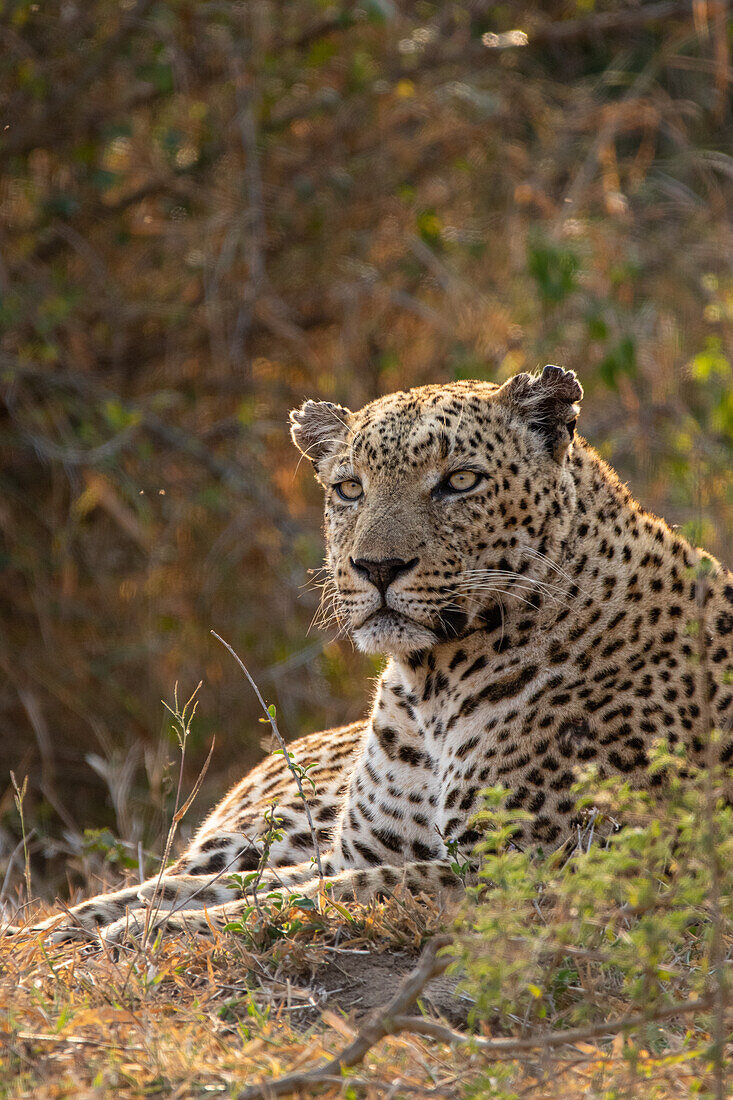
(321,52)
(597,327)
(159,75)
(119,417)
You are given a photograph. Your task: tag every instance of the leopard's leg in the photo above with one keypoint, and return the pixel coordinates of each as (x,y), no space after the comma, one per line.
(432,876)
(230,853)
(230,839)
(198,879)
(142,904)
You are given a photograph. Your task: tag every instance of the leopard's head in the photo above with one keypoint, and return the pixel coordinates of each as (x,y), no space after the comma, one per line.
(444,504)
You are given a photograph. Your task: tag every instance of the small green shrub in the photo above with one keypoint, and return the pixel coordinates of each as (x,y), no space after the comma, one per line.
(621,920)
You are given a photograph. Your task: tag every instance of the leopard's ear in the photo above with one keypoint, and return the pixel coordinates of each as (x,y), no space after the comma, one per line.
(549,403)
(318,427)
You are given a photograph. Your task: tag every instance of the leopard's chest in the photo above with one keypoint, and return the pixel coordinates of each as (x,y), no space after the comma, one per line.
(434,744)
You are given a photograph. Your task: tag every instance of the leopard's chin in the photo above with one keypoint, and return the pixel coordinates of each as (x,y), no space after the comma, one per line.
(387,631)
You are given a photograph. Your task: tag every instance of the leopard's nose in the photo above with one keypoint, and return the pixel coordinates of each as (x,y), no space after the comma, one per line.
(382,573)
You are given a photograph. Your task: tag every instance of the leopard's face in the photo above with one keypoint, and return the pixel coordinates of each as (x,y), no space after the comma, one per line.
(442,504)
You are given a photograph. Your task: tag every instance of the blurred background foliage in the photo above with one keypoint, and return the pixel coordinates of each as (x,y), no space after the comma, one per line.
(212,210)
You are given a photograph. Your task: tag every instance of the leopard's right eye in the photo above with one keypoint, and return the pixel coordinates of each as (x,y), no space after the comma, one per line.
(349,490)
(462,481)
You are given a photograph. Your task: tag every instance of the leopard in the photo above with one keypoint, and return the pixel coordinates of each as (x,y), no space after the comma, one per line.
(535,620)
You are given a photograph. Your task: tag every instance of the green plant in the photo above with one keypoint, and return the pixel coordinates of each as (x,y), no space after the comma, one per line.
(636,918)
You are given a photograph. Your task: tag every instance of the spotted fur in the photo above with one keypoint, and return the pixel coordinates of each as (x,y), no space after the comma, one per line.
(536,623)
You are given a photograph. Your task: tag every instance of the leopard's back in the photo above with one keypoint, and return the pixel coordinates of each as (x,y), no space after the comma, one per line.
(327,758)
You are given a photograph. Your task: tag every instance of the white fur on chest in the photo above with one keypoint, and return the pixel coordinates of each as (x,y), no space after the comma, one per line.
(424,760)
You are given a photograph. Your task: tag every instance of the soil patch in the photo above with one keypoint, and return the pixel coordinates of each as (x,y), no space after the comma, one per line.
(357,982)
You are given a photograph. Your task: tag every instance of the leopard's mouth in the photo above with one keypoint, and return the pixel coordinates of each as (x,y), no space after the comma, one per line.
(385,615)
(388,631)
(450,623)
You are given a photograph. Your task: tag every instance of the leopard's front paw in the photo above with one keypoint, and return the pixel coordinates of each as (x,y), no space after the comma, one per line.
(134,929)
(70,931)
(62,928)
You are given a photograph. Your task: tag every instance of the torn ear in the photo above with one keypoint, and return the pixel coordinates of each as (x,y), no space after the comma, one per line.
(318,427)
(549,403)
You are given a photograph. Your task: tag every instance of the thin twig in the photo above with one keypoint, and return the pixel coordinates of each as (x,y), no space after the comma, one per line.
(20,846)
(76,1040)
(379,1025)
(284,750)
(20,793)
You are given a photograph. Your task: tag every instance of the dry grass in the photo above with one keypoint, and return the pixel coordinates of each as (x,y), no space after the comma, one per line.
(185,1017)
(189,1018)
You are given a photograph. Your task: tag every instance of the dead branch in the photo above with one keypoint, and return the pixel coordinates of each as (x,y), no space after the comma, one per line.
(379,1025)
(510,1048)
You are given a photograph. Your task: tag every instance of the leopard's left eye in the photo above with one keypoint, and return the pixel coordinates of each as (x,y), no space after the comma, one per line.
(350,489)
(463,480)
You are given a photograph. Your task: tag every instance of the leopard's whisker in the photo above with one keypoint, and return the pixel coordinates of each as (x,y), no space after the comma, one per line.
(478,576)
(547,561)
(515,578)
(510,590)
(503,592)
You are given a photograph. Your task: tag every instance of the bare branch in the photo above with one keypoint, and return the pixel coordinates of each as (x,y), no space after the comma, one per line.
(510,1048)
